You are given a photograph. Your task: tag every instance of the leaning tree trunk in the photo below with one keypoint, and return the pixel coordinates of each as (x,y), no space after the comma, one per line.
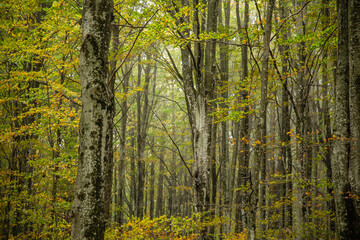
(93,182)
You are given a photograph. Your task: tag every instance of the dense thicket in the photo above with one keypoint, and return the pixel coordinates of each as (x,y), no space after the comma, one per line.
(206,119)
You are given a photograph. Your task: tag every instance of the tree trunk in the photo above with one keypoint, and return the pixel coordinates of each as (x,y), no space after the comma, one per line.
(122,146)
(326,120)
(354,164)
(284,163)
(224,159)
(142,125)
(213,174)
(243,168)
(159,199)
(198,92)
(133,174)
(152,190)
(93,182)
(303,148)
(341,144)
(260,135)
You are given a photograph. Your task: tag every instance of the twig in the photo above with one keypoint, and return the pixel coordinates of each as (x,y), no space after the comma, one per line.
(131,48)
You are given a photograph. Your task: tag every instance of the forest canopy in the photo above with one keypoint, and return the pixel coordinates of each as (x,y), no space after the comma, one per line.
(180,119)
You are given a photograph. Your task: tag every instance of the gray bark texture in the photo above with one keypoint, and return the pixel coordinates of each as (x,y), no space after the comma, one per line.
(354,165)
(93,182)
(341,131)
(198,91)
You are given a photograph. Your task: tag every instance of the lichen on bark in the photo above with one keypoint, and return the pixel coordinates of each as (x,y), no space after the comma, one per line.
(93,183)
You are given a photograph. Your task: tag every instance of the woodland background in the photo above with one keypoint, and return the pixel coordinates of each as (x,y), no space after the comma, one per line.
(276,83)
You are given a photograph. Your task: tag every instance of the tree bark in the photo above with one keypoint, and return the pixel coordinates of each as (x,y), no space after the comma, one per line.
(354,96)
(159,199)
(93,182)
(260,135)
(224,78)
(152,190)
(243,167)
(142,125)
(284,164)
(198,91)
(342,125)
(326,119)
(303,148)
(133,174)
(121,175)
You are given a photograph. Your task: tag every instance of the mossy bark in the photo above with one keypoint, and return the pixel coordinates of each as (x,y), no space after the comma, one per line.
(93,183)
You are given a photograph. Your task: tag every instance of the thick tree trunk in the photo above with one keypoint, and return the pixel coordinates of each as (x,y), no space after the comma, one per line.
(342,124)
(198,92)
(93,183)
(354,95)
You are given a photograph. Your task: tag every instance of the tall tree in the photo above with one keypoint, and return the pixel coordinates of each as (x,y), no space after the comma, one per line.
(259,165)
(341,145)
(303,148)
(347,85)
(284,165)
(354,96)
(243,159)
(224,85)
(326,113)
(143,113)
(93,183)
(198,79)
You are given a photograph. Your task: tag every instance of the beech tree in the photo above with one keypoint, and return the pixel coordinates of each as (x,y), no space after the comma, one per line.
(93,183)
(232,119)
(346,123)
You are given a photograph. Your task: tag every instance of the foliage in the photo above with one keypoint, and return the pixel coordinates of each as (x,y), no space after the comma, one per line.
(40,109)
(166,228)
(39,117)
